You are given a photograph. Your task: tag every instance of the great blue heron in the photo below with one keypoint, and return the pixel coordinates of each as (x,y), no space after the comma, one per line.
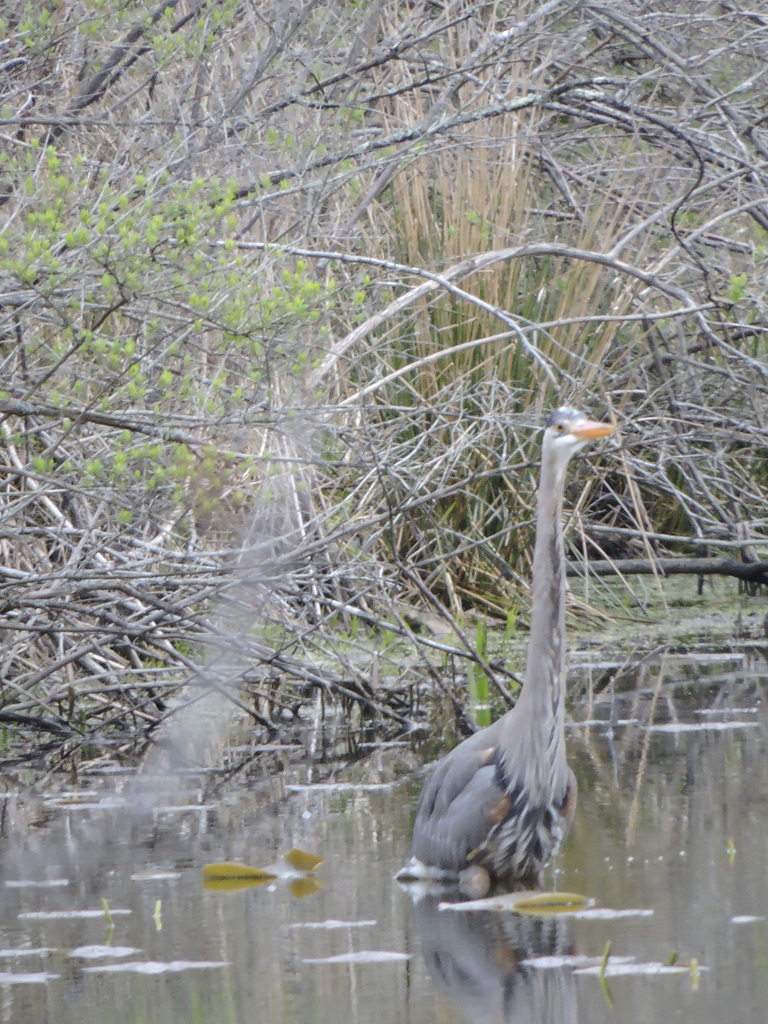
(497,807)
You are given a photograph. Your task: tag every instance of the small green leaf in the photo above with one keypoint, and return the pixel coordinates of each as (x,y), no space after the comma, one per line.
(107,913)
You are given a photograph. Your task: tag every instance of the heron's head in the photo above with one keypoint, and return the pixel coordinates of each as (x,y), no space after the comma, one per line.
(567,430)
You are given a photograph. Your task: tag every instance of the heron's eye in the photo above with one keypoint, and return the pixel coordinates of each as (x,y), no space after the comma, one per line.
(560,428)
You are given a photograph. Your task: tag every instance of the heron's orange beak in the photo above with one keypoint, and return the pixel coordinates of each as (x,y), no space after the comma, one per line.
(588,430)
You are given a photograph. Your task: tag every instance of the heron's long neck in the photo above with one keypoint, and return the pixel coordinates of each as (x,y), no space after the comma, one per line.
(545,671)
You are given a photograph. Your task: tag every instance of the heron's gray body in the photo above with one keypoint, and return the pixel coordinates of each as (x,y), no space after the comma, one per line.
(503,799)
(471,812)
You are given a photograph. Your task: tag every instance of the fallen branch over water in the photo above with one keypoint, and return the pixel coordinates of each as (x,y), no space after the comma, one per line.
(752,572)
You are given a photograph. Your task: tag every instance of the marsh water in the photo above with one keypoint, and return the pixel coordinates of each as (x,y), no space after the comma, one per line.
(670,842)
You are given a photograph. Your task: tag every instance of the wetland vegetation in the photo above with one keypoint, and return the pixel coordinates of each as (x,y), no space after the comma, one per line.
(286,290)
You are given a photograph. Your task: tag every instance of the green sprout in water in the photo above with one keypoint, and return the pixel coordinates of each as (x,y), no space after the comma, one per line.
(603,966)
(477,680)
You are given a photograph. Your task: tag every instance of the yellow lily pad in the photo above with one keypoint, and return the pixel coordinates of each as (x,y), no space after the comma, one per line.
(232,869)
(303,861)
(525,902)
(306,886)
(551,902)
(233,884)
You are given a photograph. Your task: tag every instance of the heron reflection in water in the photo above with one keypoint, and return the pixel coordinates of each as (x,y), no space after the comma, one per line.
(485,963)
(497,807)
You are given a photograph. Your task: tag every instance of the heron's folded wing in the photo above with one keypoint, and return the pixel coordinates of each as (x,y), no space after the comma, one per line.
(460,804)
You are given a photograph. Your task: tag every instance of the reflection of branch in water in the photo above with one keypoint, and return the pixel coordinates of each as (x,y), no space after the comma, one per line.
(476,960)
(633,810)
